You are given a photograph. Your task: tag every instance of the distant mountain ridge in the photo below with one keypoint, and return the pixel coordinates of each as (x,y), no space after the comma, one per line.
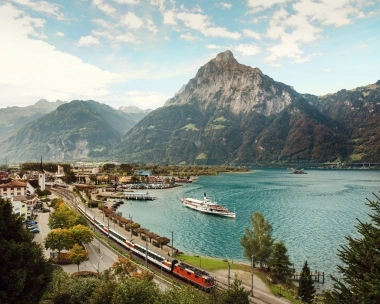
(230,113)
(15,117)
(74,130)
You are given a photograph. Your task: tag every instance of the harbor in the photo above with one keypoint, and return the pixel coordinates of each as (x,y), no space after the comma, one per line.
(135,196)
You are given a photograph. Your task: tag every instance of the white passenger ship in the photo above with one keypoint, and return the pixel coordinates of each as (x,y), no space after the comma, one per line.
(206,206)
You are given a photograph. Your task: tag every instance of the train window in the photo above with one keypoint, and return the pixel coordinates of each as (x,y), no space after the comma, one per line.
(189,273)
(196,277)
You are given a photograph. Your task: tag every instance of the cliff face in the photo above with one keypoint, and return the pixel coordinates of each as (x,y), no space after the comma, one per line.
(225,83)
(230,113)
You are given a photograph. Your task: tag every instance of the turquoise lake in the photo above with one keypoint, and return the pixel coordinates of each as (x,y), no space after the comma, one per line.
(312,213)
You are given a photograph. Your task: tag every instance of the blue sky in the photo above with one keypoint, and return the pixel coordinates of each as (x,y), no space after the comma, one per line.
(140,52)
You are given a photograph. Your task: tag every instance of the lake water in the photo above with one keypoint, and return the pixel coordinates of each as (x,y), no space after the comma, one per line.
(312,213)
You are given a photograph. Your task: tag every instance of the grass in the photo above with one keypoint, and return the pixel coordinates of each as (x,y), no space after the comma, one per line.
(210,263)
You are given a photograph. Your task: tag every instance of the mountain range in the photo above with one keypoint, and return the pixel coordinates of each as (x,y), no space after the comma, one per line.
(229,113)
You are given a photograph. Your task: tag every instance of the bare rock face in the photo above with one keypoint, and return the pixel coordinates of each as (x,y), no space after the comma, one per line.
(225,83)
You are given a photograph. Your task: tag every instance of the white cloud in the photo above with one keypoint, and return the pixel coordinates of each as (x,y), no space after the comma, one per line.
(213,46)
(88,41)
(225,5)
(248,49)
(261,5)
(59,34)
(188,37)
(131,21)
(201,23)
(327,70)
(337,12)
(251,34)
(292,31)
(151,26)
(42,71)
(169,17)
(104,7)
(132,2)
(47,8)
(146,100)
(103,23)
(361,46)
(116,36)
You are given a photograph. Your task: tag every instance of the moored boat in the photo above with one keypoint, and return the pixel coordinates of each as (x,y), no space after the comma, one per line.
(207,206)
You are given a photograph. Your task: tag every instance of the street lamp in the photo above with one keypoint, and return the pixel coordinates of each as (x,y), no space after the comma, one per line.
(94,222)
(108,229)
(146,252)
(131,217)
(200,261)
(103,210)
(252,276)
(172,242)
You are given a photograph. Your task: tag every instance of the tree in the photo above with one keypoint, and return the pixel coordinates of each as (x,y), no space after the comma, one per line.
(257,242)
(235,295)
(279,263)
(306,289)
(25,273)
(58,239)
(360,282)
(78,254)
(136,291)
(81,234)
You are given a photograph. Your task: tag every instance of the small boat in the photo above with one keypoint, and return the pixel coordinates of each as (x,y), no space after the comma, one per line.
(206,206)
(297,171)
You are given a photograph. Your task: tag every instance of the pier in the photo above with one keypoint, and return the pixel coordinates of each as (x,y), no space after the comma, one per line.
(316,276)
(136,196)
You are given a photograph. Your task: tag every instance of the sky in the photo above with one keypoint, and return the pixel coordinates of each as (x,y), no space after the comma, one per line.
(141,52)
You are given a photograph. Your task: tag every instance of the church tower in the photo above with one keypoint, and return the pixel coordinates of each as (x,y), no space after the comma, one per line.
(41,177)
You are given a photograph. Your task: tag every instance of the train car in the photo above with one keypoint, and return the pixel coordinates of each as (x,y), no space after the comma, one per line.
(187,272)
(194,275)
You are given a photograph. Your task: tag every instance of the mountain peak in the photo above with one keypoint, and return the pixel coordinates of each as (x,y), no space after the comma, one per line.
(225,56)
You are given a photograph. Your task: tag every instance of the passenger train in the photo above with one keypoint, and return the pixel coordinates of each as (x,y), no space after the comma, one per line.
(187,272)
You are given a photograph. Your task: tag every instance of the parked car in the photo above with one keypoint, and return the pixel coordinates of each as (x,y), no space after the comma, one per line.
(32,227)
(31,223)
(35,230)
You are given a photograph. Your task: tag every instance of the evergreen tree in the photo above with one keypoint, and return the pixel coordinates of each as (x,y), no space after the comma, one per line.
(360,282)
(25,273)
(279,263)
(306,288)
(235,295)
(258,242)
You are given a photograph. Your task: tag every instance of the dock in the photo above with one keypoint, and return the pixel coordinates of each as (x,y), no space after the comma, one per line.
(136,196)
(316,276)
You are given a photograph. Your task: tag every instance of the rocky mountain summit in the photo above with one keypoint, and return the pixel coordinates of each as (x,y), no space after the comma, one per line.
(223,82)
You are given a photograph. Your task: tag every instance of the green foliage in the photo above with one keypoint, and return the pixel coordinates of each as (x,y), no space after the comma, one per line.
(108,167)
(25,273)
(258,241)
(77,255)
(81,234)
(69,177)
(360,281)
(235,295)
(306,288)
(135,290)
(279,263)
(186,295)
(65,289)
(58,239)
